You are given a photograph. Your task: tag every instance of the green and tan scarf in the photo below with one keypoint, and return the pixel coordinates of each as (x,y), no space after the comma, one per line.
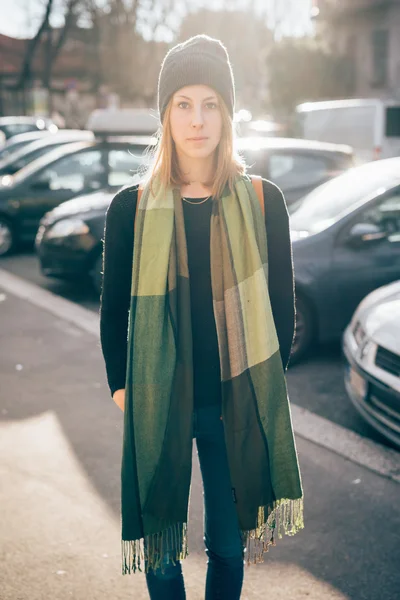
(157,445)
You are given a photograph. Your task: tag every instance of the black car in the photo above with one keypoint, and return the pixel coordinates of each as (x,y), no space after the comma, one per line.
(68,242)
(296,166)
(69,171)
(346,243)
(14,125)
(23,156)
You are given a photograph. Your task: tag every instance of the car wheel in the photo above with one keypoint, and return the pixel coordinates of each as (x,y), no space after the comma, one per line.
(7,237)
(305,330)
(97,275)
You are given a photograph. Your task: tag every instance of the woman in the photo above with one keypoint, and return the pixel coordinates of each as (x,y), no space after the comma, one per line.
(209,292)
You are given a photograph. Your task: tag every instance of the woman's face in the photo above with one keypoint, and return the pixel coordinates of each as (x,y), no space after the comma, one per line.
(196,121)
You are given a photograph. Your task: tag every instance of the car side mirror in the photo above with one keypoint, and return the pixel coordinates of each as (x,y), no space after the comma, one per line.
(41,185)
(363,233)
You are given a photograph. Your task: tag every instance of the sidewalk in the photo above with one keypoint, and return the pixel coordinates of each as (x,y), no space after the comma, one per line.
(60,443)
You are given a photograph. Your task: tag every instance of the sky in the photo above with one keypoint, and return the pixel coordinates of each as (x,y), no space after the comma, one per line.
(21,17)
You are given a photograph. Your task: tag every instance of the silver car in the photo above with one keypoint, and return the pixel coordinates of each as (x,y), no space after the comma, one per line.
(371,345)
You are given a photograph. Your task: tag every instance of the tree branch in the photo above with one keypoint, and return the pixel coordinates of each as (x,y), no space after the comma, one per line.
(32,46)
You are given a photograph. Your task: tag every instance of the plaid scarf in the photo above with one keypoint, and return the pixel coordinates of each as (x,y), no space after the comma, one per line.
(157,444)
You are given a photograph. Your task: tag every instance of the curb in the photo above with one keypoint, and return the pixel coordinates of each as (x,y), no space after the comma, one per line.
(60,307)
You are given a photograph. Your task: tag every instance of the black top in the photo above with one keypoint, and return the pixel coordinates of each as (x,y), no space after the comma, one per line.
(116,292)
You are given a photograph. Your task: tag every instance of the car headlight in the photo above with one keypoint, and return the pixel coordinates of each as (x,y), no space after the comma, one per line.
(358,333)
(6,181)
(67,227)
(298,235)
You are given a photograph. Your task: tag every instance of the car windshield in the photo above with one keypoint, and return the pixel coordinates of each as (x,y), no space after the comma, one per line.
(328,203)
(23,156)
(12,147)
(47,159)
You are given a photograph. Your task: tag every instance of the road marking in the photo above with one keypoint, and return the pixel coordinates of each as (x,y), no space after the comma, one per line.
(347,443)
(308,425)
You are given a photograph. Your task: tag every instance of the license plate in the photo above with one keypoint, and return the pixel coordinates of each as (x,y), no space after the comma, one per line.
(357,383)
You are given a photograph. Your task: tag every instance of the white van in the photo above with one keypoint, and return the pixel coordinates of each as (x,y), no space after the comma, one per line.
(371,126)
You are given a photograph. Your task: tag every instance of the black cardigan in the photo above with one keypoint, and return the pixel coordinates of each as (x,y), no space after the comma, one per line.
(115,297)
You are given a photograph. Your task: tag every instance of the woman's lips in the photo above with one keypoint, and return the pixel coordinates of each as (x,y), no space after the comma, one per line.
(197,139)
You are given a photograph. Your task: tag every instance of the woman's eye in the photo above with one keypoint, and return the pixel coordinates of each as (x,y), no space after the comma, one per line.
(212,105)
(183,104)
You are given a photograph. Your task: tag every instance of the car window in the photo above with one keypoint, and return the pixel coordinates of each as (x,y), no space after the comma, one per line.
(26,157)
(124,164)
(11,130)
(295,170)
(385,215)
(10,148)
(331,201)
(76,172)
(392,128)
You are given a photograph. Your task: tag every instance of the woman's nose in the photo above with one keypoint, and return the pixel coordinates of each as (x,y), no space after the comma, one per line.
(197,117)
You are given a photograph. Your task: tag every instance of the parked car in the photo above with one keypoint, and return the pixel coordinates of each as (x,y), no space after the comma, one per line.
(22,157)
(71,170)
(69,239)
(13,125)
(371,346)
(346,243)
(370,125)
(16,142)
(296,166)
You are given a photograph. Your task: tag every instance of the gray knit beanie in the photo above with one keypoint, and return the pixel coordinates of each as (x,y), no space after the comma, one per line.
(199,60)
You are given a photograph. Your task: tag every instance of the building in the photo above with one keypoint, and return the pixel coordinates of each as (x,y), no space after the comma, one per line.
(367,32)
(69,72)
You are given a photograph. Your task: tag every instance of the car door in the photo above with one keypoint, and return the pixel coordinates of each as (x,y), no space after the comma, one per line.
(69,176)
(297,173)
(359,268)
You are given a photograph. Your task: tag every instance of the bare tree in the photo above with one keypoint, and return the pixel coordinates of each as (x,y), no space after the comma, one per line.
(130,53)
(50,42)
(31,47)
(54,43)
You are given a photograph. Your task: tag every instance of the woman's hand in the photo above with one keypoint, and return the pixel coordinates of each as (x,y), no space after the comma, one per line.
(119,398)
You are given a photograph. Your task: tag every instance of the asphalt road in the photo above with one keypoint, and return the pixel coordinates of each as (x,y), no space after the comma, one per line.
(60,443)
(316,383)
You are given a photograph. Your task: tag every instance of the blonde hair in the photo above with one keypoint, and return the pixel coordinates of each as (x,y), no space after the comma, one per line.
(228,163)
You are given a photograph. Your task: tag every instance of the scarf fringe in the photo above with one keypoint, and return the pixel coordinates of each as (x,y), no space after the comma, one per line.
(285,516)
(155,550)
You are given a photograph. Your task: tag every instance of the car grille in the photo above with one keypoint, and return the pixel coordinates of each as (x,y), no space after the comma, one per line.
(388,361)
(386,404)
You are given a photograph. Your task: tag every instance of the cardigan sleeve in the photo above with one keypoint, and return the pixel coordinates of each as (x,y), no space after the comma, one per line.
(280,267)
(116,288)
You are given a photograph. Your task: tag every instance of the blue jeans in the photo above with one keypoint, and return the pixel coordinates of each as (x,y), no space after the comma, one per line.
(222,537)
